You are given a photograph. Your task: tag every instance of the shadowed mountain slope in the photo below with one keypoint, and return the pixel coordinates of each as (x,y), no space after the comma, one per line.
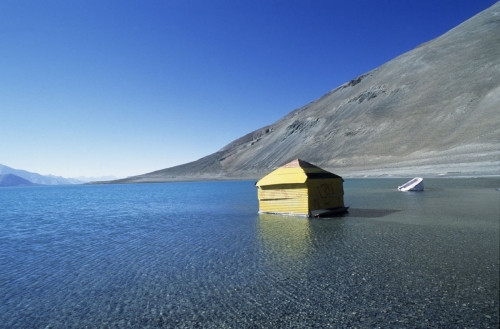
(433,108)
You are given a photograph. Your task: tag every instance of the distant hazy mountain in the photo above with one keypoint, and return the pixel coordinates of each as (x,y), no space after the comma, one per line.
(13,180)
(436,106)
(95,179)
(37,178)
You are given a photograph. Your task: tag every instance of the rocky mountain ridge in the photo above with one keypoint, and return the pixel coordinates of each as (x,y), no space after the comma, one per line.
(434,110)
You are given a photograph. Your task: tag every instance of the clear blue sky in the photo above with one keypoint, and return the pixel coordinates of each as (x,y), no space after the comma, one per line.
(127,87)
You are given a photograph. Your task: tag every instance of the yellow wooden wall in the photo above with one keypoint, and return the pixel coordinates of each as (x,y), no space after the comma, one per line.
(325,193)
(291,199)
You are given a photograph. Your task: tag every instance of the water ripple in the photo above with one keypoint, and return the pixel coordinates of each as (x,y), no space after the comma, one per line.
(190,255)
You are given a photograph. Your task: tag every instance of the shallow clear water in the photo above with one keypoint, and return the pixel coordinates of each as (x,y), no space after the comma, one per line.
(183,255)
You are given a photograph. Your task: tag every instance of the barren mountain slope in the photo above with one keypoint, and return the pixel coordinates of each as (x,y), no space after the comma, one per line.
(433,108)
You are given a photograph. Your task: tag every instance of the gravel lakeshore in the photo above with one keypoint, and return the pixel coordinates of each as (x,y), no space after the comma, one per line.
(456,170)
(480,169)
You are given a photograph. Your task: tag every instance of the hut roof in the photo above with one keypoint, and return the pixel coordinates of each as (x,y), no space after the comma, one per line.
(295,172)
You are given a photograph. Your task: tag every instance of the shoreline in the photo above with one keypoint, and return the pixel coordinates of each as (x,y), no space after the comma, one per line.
(486,169)
(229,179)
(458,170)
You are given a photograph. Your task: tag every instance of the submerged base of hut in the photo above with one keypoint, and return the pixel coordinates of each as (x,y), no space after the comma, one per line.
(329,212)
(320,213)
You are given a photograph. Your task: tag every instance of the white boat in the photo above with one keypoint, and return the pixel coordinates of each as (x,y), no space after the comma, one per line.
(416,184)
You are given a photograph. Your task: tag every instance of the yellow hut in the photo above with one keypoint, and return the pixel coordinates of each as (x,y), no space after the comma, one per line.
(301,189)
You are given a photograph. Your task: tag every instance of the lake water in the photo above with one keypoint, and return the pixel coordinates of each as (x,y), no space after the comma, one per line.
(188,255)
